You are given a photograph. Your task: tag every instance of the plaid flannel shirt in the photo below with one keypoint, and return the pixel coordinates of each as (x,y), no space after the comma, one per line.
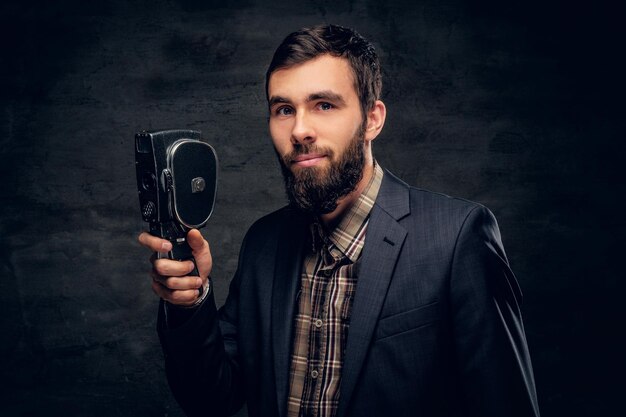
(328,283)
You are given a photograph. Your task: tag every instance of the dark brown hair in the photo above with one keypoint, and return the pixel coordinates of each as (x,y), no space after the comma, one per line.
(338,41)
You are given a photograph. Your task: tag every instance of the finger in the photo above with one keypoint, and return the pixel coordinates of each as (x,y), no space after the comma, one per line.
(177,297)
(172,268)
(154,243)
(179,283)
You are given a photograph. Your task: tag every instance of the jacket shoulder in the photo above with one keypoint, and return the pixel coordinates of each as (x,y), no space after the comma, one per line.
(269,226)
(423,202)
(433,215)
(427,200)
(450,215)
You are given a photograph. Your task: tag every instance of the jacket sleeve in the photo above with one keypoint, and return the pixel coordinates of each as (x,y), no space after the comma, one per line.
(201,356)
(495,370)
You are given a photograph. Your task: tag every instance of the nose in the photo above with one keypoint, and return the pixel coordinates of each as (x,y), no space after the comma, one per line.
(303,131)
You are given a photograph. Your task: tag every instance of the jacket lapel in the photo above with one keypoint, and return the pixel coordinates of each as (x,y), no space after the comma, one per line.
(384,240)
(286,284)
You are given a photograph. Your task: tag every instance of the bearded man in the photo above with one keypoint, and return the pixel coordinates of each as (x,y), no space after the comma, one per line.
(363,296)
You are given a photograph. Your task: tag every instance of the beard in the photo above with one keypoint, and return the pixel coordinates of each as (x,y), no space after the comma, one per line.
(316,190)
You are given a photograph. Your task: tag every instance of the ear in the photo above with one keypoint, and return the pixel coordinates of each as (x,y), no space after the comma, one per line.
(375,120)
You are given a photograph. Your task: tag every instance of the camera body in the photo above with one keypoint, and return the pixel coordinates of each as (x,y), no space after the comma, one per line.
(177,182)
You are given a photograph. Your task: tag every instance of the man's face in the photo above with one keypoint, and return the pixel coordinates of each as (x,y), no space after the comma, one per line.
(318,131)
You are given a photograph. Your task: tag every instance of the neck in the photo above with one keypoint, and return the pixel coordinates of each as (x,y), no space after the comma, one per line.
(331,219)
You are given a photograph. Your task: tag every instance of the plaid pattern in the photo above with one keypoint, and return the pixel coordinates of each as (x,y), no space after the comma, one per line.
(328,283)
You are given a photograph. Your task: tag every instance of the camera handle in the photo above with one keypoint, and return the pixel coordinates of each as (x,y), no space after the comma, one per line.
(181,251)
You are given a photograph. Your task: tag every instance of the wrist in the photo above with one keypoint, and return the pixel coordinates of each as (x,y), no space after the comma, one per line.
(203,292)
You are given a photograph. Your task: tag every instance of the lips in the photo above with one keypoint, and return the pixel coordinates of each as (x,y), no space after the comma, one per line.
(308,159)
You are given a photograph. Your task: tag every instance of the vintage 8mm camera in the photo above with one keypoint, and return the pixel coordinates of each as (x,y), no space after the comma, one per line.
(177,181)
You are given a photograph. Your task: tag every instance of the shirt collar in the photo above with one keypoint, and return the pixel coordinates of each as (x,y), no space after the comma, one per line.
(348,235)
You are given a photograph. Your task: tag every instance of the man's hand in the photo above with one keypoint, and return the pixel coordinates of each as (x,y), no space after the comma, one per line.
(170,279)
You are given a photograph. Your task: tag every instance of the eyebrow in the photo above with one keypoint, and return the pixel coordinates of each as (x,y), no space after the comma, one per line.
(327,95)
(319,95)
(277,99)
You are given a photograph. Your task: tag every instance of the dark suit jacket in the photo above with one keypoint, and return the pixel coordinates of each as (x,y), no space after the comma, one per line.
(435,327)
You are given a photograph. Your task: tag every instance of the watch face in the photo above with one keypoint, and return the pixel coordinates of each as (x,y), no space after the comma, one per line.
(194,174)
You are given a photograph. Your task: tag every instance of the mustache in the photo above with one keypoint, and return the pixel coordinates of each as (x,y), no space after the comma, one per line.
(305,149)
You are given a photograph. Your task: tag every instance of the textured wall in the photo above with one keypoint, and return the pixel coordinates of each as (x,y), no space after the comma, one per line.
(517,106)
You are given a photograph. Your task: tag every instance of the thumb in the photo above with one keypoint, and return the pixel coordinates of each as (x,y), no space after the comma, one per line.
(195,240)
(201,252)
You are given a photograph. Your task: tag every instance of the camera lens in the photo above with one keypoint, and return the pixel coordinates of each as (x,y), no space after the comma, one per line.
(148,181)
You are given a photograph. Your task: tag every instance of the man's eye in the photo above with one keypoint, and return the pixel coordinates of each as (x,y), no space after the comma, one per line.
(325,106)
(284,111)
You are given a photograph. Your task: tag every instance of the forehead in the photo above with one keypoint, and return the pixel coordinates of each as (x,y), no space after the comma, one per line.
(323,73)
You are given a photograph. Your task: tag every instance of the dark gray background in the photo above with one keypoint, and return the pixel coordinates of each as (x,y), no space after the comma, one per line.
(517,105)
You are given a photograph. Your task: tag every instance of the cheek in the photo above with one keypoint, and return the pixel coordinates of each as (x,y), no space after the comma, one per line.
(341,134)
(342,125)
(272,128)
(280,138)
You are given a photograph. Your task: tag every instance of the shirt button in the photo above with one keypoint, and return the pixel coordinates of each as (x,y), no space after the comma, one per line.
(318,323)
(314,374)
(327,272)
